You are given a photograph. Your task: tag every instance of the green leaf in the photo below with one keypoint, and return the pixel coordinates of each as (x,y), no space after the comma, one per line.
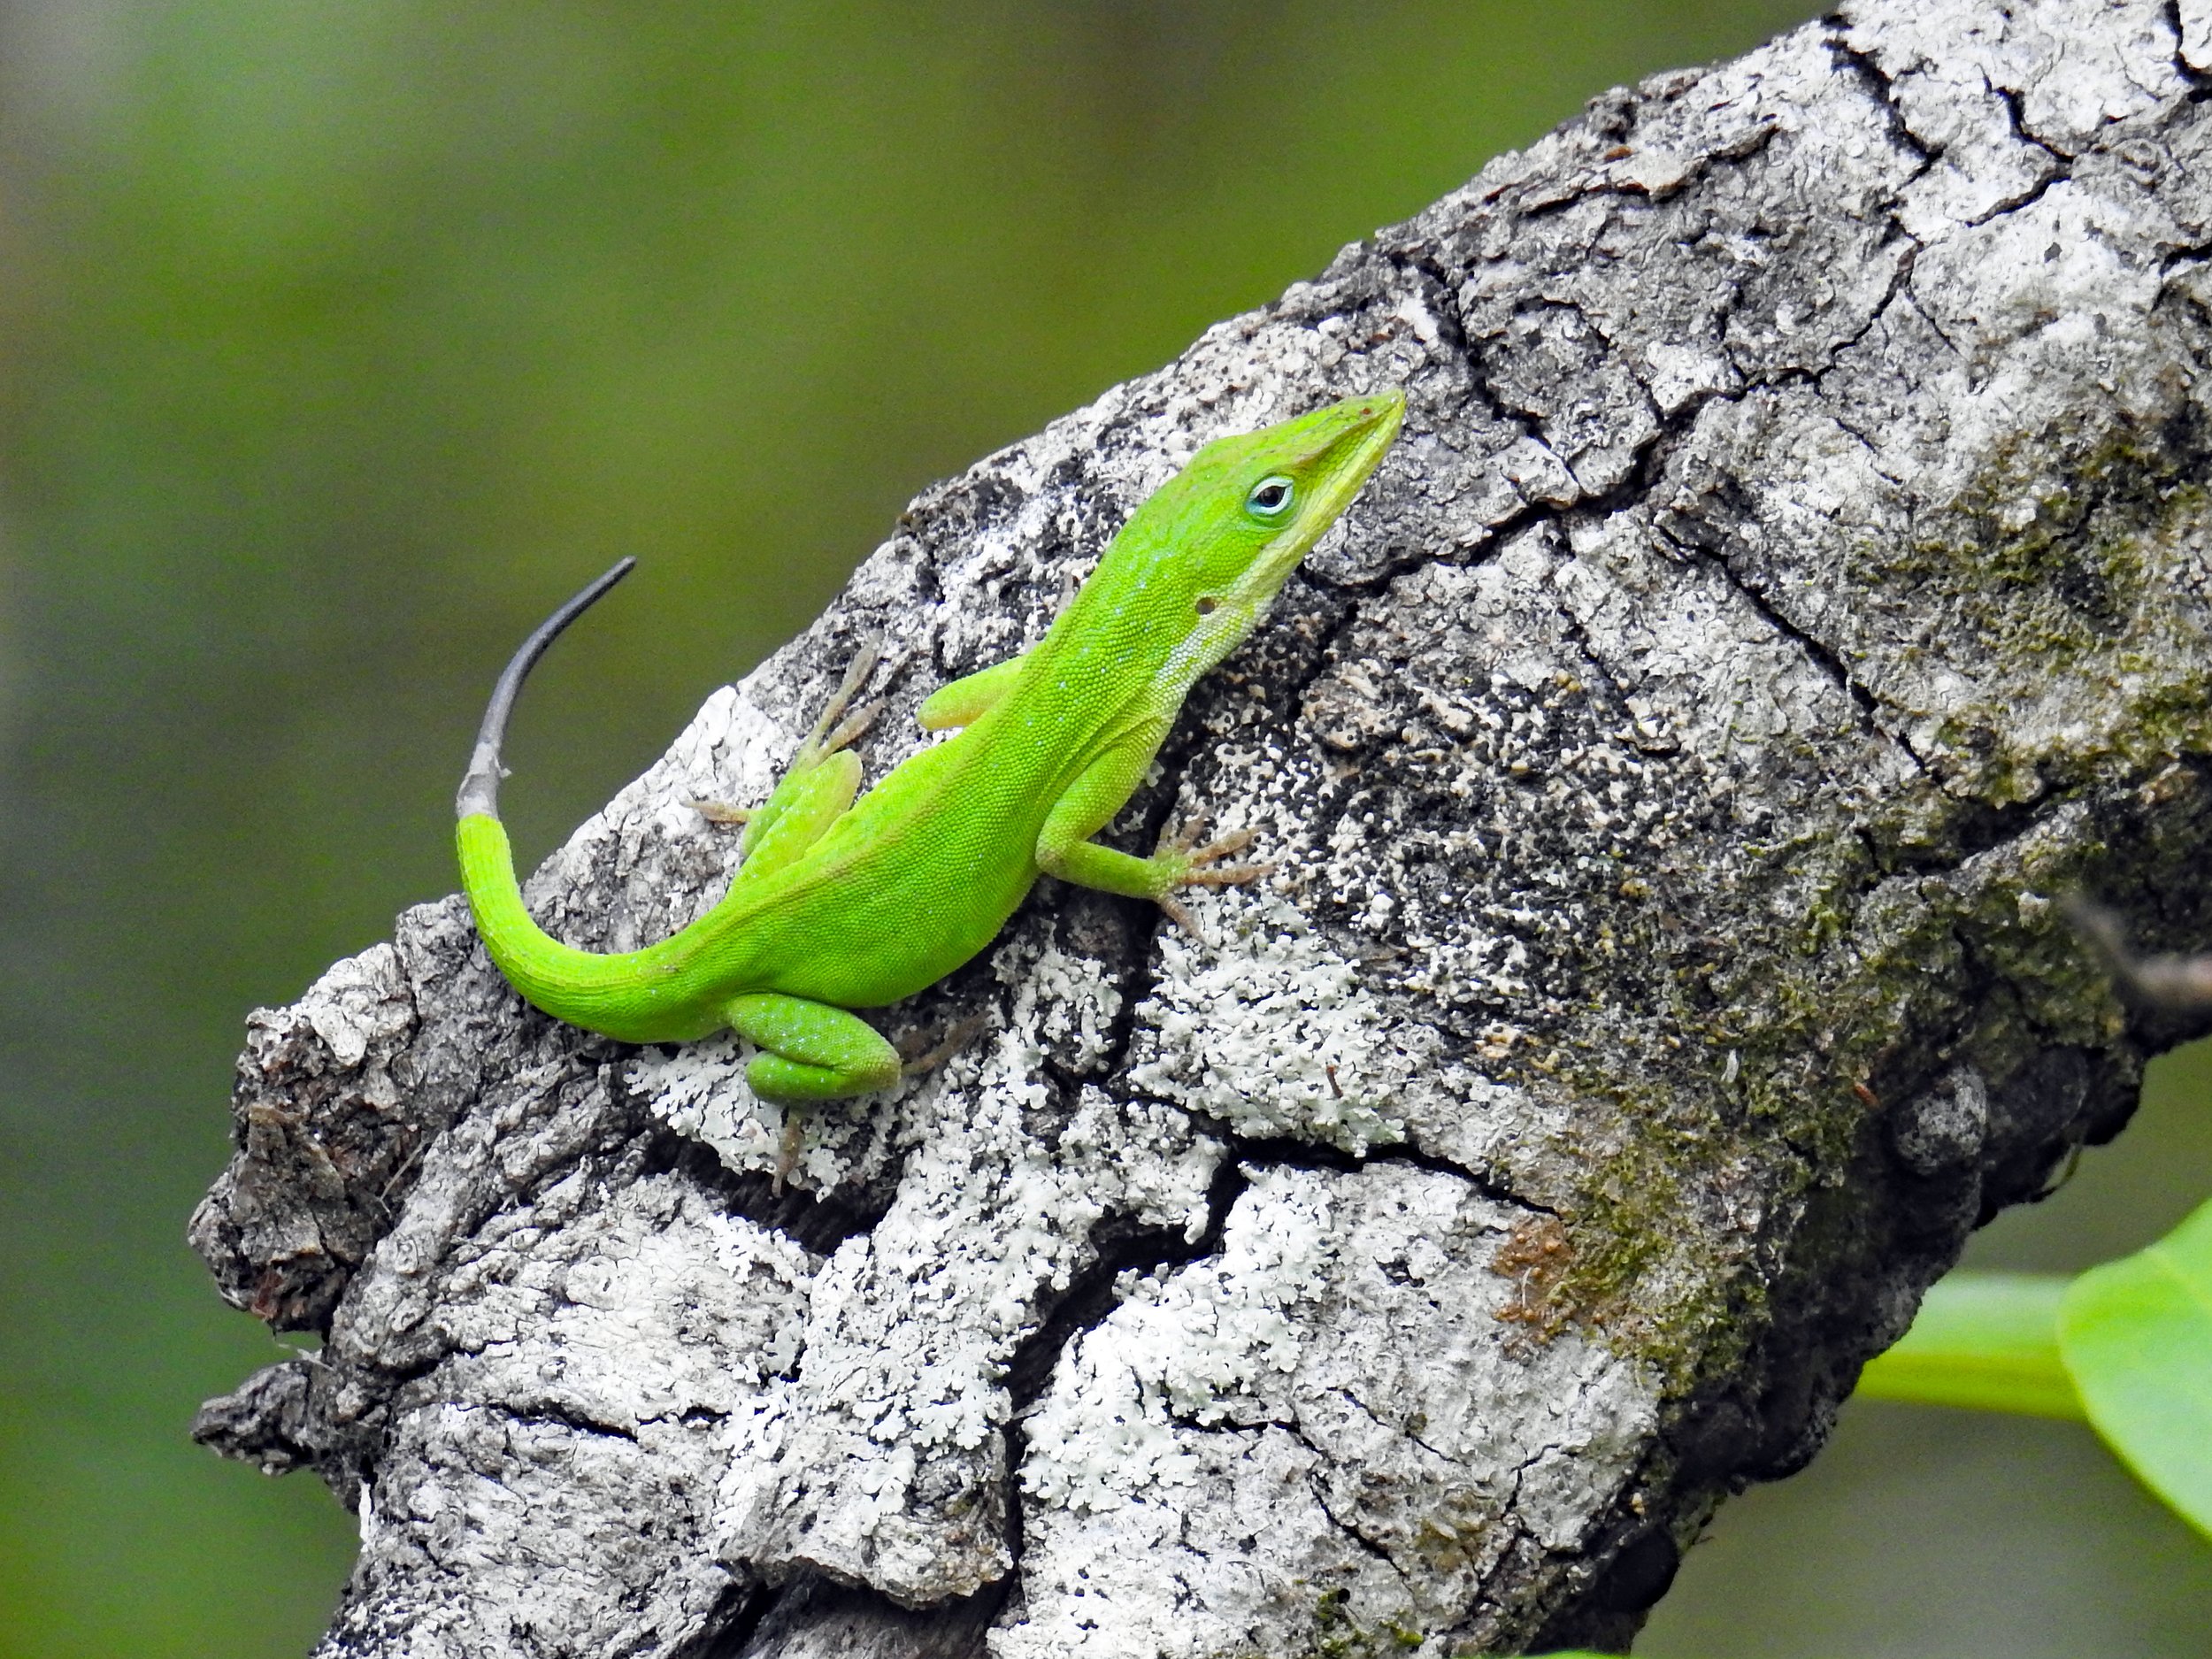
(1986,1341)
(2137,1336)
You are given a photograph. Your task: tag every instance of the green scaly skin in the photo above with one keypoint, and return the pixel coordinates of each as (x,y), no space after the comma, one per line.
(842,904)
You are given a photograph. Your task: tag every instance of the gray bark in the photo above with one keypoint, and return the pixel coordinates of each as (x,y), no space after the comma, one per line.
(1792,581)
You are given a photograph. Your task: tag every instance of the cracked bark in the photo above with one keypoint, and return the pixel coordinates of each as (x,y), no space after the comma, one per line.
(1792,580)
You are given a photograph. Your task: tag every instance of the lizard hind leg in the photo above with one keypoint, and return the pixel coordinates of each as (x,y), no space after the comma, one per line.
(809,1051)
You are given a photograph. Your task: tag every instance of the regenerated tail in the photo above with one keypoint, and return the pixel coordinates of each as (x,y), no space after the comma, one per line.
(480,785)
(567,983)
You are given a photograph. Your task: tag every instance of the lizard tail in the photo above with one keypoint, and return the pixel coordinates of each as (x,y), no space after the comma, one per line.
(480,785)
(578,985)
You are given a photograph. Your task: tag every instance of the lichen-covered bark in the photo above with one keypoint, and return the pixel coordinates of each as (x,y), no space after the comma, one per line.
(1792,581)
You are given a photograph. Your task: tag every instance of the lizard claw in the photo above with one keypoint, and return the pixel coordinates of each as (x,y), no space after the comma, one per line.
(1227,876)
(1236,840)
(851,728)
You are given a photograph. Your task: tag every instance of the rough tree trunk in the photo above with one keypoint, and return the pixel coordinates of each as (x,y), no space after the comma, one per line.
(1794,576)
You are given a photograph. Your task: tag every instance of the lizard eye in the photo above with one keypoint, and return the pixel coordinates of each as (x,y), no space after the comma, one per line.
(1271,497)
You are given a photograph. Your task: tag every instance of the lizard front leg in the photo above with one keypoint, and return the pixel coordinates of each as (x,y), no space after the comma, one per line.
(816,789)
(1065,847)
(962,702)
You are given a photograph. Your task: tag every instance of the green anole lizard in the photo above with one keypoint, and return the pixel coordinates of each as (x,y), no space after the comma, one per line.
(840,904)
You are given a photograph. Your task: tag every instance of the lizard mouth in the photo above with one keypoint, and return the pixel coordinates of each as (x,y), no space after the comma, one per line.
(1343,443)
(1350,438)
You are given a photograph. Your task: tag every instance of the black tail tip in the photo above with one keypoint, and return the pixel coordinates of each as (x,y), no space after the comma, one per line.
(480,786)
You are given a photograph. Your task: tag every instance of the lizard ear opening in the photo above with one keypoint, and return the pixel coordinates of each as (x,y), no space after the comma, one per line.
(1208,604)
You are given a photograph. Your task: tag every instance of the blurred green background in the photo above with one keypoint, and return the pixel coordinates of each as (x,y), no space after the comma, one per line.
(338,339)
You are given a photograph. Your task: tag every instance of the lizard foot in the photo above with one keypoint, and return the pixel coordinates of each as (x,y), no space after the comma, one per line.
(951,1043)
(1178,844)
(835,729)
(721,812)
(1197,873)
(789,1149)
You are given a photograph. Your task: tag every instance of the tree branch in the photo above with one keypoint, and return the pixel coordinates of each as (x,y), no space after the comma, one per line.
(1791,583)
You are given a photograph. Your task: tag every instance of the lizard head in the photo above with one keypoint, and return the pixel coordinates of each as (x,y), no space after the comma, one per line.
(1234,525)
